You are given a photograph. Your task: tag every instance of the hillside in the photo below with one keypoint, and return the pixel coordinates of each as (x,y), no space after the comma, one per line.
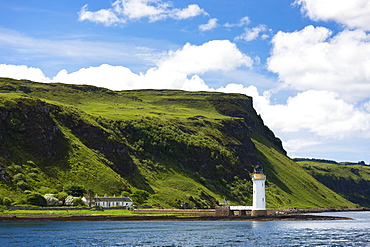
(350,180)
(193,147)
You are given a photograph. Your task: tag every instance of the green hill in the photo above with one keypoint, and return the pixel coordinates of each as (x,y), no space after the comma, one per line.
(350,180)
(181,147)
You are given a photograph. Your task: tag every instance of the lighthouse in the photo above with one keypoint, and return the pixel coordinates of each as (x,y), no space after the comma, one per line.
(259,200)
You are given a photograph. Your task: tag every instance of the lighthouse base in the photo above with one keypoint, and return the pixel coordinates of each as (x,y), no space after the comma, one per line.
(259,213)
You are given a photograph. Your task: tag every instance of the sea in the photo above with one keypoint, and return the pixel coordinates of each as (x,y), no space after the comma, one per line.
(191,233)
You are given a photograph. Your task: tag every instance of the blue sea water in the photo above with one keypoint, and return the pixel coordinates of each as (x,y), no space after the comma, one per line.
(191,233)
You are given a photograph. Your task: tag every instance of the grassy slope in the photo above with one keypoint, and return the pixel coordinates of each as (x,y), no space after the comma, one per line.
(350,181)
(288,184)
(167,181)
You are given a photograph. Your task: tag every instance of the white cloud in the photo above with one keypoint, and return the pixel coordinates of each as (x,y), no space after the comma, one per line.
(179,69)
(252,33)
(312,59)
(351,13)
(211,24)
(191,11)
(104,16)
(124,10)
(213,55)
(22,72)
(242,22)
(137,9)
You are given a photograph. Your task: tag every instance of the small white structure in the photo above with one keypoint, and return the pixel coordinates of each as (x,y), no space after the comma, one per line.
(107,202)
(259,199)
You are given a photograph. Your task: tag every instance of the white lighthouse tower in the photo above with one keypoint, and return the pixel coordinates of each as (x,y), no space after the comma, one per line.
(259,200)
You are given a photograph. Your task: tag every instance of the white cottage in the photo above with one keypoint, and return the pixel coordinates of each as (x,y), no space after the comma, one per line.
(107,202)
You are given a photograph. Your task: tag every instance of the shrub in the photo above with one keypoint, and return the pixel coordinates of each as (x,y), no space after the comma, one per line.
(33,175)
(7,201)
(23,185)
(61,196)
(35,170)
(19,177)
(69,201)
(36,199)
(78,202)
(125,194)
(46,190)
(14,168)
(31,163)
(51,200)
(75,190)
(140,196)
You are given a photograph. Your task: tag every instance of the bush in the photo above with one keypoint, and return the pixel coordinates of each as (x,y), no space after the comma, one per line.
(78,202)
(69,201)
(23,185)
(140,196)
(31,163)
(61,196)
(51,200)
(36,199)
(33,175)
(7,201)
(46,190)
(19,177)
(75,190)
(14,168)
(125,194)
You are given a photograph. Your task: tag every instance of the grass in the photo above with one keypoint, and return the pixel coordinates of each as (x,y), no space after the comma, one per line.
(350,181)
(180,146)
(289,184)
(66,212)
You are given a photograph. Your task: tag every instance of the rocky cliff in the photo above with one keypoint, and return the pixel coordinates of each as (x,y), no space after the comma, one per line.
(193,147)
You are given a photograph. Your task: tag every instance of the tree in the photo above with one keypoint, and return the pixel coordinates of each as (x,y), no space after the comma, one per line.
(7,201)
(140,196)
(90,196)
(75,190)
(36,199)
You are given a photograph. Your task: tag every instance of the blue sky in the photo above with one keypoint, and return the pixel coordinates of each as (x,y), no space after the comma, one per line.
(306,63)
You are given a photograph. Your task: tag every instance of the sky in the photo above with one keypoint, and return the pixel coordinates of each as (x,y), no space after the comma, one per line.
(306,63)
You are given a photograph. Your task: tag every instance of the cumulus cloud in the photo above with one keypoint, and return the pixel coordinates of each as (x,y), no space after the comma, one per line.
(123,10)
(312,59)
(321,113)
(213,55)
(242,22)
(22,72)
(180,69)
(105,16)
(211,24)
(191,11)
(253,33)
(351,13)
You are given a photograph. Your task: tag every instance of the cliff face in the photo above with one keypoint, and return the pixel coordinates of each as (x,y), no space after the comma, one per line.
(193,147)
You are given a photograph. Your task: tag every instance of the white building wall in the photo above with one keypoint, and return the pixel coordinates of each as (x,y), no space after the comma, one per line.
(259,200)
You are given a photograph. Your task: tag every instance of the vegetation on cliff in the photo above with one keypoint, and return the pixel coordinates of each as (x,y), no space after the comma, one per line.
(181,147)
(350,180)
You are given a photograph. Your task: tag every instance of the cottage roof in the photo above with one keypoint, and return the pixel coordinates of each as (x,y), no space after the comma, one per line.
(113,199)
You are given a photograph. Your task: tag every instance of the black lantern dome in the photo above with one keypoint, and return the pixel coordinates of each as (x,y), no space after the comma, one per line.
(258,169)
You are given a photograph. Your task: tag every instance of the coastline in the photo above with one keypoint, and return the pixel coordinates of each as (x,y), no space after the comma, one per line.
(184,215)
(287,217)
